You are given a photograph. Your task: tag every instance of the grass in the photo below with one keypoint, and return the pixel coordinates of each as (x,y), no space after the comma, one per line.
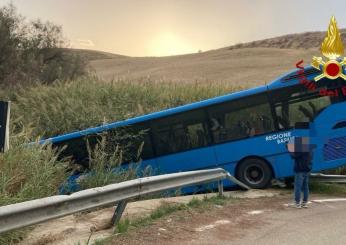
(168,208)
(87,102)
(327,188)
(164,210)
(28,173)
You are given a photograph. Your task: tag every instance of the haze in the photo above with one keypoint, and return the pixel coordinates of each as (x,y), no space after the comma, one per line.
(163,27)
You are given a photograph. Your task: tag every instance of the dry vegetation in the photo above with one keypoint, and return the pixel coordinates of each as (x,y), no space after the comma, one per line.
(305,40)
(254,63)
(244,66)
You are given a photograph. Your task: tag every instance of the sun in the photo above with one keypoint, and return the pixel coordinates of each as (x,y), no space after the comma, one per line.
(168,43)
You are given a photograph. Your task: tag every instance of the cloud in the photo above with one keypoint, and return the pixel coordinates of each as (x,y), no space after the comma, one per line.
(85,43)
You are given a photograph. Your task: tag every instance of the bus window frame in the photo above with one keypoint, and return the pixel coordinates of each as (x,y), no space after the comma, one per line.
(210,137)
(309,93)
(205,127)
(267,101)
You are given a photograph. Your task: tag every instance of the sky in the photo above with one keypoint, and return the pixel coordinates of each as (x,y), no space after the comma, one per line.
(171,27)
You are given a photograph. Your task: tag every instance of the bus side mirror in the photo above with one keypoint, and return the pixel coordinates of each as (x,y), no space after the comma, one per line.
(302,125)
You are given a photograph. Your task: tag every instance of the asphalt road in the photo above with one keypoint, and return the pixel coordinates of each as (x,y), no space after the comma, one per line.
(322,223)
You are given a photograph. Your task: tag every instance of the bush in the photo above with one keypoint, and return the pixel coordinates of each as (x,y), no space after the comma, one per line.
(33,51)
(28,173)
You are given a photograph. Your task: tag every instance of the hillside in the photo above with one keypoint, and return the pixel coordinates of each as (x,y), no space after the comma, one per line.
(93,54)
(252,63)
(304,40)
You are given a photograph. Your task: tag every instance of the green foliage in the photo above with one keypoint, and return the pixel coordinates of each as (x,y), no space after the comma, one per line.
(28,173)
(163,210)
(122,226)
(87,102)
(217,200)
(338,171)
(195,202)
(102,164)
(327,188)
(166,209)
(32,51)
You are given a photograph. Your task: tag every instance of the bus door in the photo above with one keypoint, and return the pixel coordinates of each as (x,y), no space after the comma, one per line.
(182,142)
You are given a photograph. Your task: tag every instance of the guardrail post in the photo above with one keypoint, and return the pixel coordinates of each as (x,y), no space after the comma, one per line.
(220,187)
(119,212)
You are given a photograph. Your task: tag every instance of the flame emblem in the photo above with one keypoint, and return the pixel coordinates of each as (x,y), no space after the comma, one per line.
(333,49)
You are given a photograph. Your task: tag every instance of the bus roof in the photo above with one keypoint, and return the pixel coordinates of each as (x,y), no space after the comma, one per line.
(292,78)
(277,83)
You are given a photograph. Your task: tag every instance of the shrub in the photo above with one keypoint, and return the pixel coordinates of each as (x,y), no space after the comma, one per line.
(28,173)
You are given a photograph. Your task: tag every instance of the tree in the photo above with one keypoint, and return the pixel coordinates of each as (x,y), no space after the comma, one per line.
(33,51)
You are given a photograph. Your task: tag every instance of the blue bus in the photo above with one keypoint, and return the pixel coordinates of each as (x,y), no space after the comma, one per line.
(243,132)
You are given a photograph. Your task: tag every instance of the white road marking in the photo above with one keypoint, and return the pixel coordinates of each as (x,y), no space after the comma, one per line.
(206,227)
(222,222)
(330,200)
(211,226)
(255,212)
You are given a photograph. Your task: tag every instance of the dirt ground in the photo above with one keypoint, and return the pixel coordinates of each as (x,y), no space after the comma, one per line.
(249,217)
(74,229)
(267,221)
(227,222)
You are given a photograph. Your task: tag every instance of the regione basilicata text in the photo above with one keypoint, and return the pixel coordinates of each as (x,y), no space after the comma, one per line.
(280,138)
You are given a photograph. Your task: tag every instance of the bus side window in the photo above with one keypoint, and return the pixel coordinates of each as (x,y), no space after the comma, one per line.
(180,132)
(147,150)
(140,146)
(246,117)
(196,135)
(77,148)
(162,141)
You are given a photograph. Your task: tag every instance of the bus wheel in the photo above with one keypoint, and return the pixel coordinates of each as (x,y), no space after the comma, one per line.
(255,173)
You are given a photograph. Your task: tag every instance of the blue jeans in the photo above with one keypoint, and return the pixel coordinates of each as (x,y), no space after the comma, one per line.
(301,183)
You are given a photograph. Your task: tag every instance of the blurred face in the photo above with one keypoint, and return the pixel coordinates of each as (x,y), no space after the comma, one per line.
(290,147)
(299,144)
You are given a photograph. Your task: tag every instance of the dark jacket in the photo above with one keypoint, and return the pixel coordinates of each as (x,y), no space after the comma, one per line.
(302,161)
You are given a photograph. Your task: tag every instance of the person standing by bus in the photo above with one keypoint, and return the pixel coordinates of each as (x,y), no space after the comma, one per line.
(301,151)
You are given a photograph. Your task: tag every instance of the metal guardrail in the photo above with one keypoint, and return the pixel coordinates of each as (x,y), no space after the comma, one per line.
(328,178)
(36,211)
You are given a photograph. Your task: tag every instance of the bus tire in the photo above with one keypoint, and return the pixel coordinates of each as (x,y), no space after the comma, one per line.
(255,173)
